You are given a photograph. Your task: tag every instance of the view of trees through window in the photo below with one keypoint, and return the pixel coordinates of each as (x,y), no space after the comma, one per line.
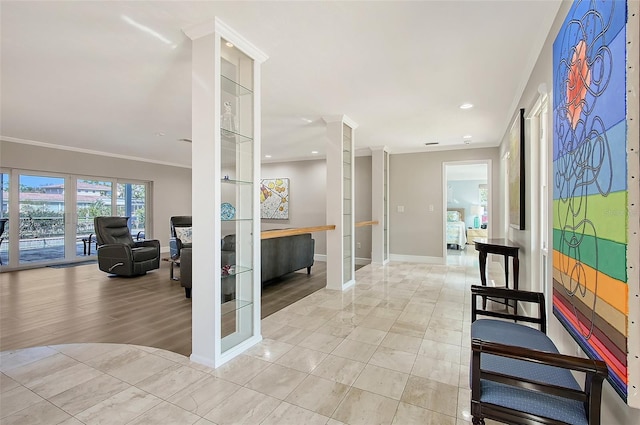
(43,212)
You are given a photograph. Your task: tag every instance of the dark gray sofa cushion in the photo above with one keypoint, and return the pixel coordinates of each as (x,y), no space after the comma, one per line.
(286,254)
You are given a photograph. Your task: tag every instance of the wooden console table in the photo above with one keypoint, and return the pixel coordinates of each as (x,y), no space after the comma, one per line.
(501,247)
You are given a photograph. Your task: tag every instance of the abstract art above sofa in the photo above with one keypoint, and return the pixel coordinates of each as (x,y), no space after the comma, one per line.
(274,198)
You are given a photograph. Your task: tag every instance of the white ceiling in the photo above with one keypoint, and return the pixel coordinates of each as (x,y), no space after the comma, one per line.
(89,76)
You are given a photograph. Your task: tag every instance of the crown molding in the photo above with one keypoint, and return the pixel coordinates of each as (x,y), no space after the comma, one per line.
(88,151)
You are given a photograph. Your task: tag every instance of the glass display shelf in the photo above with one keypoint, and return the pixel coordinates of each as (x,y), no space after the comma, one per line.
(234,88)
(234,137)
(234,305)
(234,313)
(234,181)
(238,270)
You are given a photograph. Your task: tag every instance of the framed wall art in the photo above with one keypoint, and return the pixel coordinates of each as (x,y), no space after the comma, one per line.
(274,198)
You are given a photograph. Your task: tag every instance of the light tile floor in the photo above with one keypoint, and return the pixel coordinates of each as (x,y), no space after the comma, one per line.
(394,349)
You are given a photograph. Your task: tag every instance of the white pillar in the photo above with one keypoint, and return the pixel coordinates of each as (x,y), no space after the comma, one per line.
(205,201)
(379,208)
(340,202)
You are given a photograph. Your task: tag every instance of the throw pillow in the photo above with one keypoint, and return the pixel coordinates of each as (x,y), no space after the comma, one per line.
(184,234)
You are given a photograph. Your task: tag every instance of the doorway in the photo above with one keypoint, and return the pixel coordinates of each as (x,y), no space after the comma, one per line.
(467,215)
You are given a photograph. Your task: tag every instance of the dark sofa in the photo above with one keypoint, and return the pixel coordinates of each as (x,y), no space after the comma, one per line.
(286,254)
(279,256)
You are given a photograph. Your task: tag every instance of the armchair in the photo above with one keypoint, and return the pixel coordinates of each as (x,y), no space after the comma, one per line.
(180,235)
(119,254)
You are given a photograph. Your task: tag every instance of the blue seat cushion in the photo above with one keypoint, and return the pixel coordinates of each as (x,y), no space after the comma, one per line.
(510,333)
(561,409)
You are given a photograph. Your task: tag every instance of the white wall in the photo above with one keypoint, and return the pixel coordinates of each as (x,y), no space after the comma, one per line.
(171,191)
(614,410)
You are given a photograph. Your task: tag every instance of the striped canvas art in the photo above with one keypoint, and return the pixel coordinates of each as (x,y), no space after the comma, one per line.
(590,193)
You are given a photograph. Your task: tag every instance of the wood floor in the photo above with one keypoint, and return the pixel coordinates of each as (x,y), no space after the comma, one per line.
(82,304)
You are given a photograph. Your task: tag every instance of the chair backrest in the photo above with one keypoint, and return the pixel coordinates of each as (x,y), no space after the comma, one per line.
(3,221)
(179,221)
(112,230)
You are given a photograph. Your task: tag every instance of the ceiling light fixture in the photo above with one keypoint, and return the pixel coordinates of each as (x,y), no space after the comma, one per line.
(159,134)
(468,136)
(466,106)
(314,152)
(229,44)
(267,156)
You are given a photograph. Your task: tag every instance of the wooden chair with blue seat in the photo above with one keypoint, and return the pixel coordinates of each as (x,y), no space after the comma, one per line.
(518,375)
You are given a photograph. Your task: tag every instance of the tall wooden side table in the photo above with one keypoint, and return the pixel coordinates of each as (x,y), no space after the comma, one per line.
(501,247)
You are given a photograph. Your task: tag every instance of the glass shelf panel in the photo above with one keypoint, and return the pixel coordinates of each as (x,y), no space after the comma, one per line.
(233,88)
(234,136)
(237,323)
(232,181)
(236,271)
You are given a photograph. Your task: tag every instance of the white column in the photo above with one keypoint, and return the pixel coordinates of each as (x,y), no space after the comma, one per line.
(337,245)
(205,200)
(379,196)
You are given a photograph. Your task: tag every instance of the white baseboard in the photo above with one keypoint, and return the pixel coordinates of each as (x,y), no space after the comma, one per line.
(416,259)
(359,261)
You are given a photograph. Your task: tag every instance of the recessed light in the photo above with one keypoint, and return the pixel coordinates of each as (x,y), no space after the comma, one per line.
(467,136)
(314,152)
(267,156)
(160,134)
(466,106)
(307,120)
(229,44)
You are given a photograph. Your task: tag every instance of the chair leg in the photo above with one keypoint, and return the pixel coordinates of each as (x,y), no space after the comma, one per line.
(477,421)
(309,270)
(187,292)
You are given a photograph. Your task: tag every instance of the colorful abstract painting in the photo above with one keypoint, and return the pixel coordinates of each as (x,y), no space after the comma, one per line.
(590,219)
(274,199)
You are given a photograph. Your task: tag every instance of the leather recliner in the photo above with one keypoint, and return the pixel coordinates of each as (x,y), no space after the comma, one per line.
(119,254)
(180,224)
